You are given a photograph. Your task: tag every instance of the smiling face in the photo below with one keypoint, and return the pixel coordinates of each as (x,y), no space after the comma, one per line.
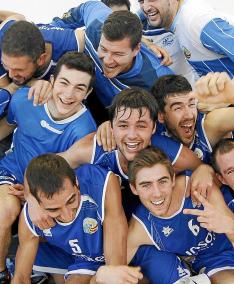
(225,163)
(179,116)
(160,13)
(20,68)
(154,187)
(116,56)
(63,205)
(70,88)
(132,132)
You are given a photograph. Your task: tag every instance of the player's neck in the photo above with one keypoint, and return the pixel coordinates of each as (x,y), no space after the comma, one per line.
(42,69)
(56,115)
(178,194)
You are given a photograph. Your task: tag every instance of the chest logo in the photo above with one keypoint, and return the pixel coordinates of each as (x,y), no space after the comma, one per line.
(90,225)
(167,231)
(187,53)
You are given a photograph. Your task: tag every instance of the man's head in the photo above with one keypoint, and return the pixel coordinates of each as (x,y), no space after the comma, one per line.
(152,178)
(119,43)
(160,13)
(72,82)
(23,51)
(133,117)
(118,5)
(177,108)
(53,183)
(222,159)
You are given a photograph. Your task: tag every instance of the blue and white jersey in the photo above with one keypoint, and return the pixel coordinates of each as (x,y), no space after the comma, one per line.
(200,145)
(61,40)
(146,67)
(111,161)
(206,37)
(182,234)
(81,238)
(169,42)
(38,133)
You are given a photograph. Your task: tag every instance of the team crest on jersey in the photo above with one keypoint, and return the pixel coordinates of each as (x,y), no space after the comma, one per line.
(187,53)
(199,153)
(167,231)
(47,232)
(168,40)
(66,15)
(90,225)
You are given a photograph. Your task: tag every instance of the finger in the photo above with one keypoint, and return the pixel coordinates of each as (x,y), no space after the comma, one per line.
(195,212)
(202,219)
(213,88)
(30,93)
(202,199)
(104,139)
(45,93)
(109,140)
(113,143)
(222,80)
(35,96)
(202,85)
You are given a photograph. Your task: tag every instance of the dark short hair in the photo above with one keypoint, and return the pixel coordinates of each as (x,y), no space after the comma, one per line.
(46,174)
(224,146)
(111,3)
(133,98)
(78,61)
(169,85)
(123,24)
(23,39)
(147,158)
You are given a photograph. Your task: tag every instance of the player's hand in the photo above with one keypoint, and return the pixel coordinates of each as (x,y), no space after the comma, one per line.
(40,91)
(121,274)
(17,190)
(39,216)
(201,181)
(105,136)
(214,90)
(162,53)
(212,218)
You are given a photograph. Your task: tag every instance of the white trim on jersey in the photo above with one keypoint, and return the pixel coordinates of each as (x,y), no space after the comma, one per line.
(26,221)
(149,235)
(215,270)
(94,148)
(49,269)
(119,166)
(81,271)
(104,195)
(178,154)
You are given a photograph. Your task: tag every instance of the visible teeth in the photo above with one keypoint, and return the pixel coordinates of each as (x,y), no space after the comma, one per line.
(187,125)
(132,145)
(159,202)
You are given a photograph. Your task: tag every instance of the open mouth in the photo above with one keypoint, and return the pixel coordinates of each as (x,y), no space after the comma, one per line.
(66,103)
(158,202)
(187,128)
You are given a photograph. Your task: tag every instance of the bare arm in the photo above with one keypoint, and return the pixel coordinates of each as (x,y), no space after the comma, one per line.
(186,160)
(10,15)
(137,236)
(219,123)
(26,253)
(115,225)
(80,152)
(5,128)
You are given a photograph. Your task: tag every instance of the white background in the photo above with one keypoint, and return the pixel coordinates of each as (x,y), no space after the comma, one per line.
(44,10)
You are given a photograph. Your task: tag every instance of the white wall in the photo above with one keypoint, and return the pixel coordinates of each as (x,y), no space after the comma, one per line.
(44,10)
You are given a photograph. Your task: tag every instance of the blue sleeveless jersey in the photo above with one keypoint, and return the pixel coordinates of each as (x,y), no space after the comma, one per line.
(200,145)
(205,36)
(182,234)
(37,133)
(62,40)
(110,160)
(82,238)
(146,67)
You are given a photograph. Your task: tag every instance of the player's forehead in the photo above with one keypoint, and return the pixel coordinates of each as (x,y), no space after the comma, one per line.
(132,114)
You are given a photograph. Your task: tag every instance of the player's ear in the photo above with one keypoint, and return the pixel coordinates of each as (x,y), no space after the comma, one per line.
(221,179)
(160,117)
(133,189)
(42,59)
(88,92)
